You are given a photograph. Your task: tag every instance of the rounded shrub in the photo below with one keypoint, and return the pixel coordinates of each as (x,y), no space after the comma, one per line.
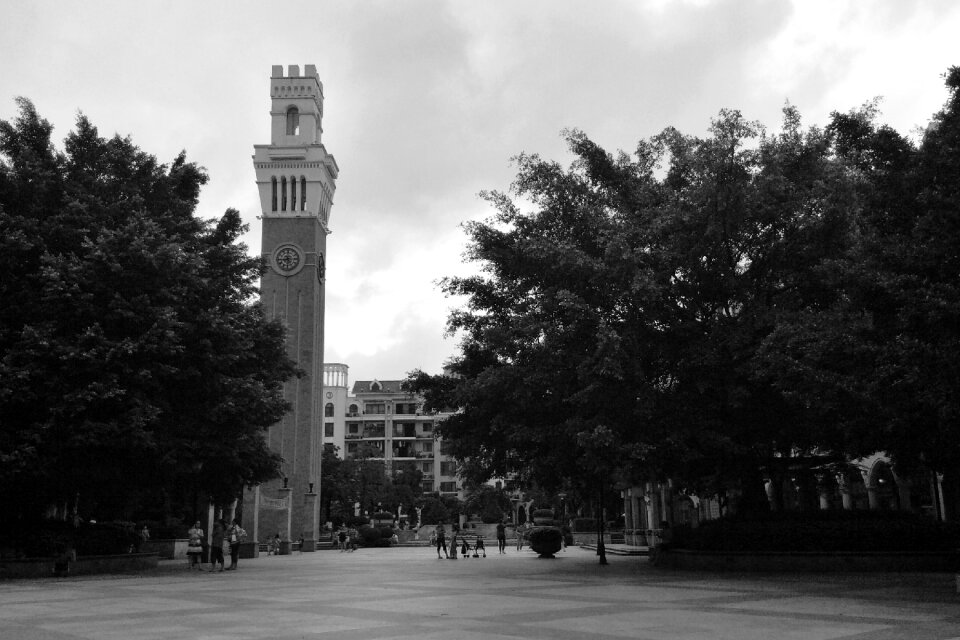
(546,541)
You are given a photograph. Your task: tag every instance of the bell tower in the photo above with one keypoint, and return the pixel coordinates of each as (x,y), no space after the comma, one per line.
(296,178)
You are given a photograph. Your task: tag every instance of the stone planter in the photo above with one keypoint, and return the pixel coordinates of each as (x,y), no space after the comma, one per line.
(84,565)
(252,549)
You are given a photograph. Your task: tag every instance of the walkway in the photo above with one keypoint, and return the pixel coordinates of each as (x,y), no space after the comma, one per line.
(408,593)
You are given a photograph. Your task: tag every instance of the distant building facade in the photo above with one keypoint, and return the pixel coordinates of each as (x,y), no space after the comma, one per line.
(382,421)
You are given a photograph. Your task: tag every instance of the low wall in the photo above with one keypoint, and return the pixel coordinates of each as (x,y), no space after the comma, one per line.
(168,549)
(84,565)
(587,537)
(808,561)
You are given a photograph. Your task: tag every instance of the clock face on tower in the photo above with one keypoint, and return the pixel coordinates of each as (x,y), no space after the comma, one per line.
(288,259)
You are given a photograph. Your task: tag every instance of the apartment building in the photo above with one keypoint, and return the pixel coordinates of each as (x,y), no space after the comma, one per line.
(376,418)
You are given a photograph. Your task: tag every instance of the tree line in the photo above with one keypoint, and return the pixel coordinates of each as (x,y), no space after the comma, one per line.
(715,310)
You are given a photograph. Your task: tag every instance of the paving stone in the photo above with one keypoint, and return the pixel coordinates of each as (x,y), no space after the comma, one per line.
(384,594)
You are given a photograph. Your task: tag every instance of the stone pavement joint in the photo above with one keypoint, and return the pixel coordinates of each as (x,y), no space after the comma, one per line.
(385,594)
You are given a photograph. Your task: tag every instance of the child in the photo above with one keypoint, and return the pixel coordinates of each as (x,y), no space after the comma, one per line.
(478,546)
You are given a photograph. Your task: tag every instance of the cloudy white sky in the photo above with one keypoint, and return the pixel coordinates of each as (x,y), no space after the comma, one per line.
(426,102)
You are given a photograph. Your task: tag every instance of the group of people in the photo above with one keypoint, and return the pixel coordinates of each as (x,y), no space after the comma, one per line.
(224,540)
(438,537)
(347,539)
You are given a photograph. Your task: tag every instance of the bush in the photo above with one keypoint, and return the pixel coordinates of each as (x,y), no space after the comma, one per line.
(825,531)
(352,522)
(491,514)
(543,514)
(107,538)
(546,541)
(584,524)
(383,515)
(433,512)
(375,536)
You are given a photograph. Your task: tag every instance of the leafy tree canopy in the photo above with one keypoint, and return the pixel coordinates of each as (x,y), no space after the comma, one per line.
(713,309)
(133,365)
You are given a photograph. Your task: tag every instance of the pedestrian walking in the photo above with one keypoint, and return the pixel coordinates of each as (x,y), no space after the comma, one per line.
(478,546)
(342,538)
(441,538)
(502,537)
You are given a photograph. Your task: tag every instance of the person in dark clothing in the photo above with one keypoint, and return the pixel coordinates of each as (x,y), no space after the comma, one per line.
(441,541)
(216,544)
(502,536)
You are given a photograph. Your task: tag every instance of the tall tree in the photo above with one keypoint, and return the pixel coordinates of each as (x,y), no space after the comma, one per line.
(627,315)
(133,365)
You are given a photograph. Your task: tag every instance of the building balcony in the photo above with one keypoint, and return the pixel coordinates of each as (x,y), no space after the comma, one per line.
(352,436)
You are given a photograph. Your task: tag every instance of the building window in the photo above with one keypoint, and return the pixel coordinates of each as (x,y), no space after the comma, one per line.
(273,193)
(327,429)
(448,468)
(283,193)
(293,121)
(351,447)
(406,408)
(427,427)
(428,467)
(374,408)
(328,410)
(448,487)
(330,448)
(354,410)
(293,194)
(303,193)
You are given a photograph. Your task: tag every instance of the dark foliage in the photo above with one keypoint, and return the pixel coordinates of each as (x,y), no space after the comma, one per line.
(136,378)
(546,541)
(824,531)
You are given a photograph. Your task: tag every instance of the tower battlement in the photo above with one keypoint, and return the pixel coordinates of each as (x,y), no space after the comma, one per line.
(294,85)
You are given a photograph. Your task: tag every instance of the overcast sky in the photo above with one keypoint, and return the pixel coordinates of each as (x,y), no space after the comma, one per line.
(427,101)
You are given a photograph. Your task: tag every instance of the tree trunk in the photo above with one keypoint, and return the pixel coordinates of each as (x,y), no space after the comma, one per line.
(951,495)
(601,548)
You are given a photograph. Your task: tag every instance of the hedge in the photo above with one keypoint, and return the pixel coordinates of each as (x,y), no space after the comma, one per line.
(821,531)
(375,536)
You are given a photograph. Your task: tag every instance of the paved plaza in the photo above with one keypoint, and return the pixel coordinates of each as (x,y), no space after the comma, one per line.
(408,593)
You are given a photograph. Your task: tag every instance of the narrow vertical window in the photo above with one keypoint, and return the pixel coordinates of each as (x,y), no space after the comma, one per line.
(293,194)
(283,193)
(303,193)
(273,193)
(293,121)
